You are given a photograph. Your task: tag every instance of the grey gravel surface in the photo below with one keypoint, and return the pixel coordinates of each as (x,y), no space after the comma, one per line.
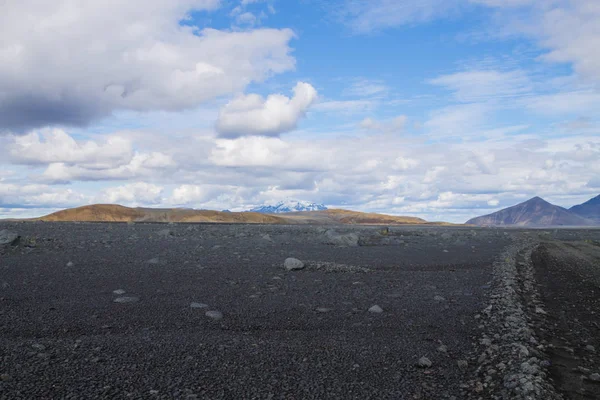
(65,334)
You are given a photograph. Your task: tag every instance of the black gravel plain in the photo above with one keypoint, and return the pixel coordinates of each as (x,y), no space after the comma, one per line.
(303,334)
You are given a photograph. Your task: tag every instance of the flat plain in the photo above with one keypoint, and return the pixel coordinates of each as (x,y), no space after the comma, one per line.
(208,311)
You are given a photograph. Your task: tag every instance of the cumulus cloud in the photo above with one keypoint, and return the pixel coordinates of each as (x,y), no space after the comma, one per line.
(253,115)
(86,59)
(38,196)
(141,165)
(133,194)
(56,146)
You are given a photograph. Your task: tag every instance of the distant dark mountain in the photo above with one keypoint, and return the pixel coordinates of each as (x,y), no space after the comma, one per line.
(533,212)
(590,209)
(289,206)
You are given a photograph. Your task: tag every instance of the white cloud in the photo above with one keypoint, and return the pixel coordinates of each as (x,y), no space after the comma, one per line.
(457,120)
(581,103)
(253,115)
(141,165)
(345,106)
(367,88)
(568,29)
(40,196)
(133,194)
(83,60)
(478,85)
(374,15)
(187,194)
(56,146)
(392,125)
(504,3)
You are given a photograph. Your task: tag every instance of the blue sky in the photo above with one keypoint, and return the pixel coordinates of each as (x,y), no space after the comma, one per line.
(442,109)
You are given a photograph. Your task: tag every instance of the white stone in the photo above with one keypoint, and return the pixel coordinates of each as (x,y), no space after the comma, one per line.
(216,315)
(293,264)
(126,299)
(376,309)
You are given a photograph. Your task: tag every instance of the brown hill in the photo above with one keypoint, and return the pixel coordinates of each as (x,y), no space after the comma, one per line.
(337,216)
(117,213)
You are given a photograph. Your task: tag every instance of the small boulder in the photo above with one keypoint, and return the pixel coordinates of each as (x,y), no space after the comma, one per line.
(293,264)
(424,362)
(198,305)
(8,237)
(376,309)
(165,233)
(347,240)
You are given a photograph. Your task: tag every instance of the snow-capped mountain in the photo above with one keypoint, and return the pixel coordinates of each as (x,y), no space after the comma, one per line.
(289,206)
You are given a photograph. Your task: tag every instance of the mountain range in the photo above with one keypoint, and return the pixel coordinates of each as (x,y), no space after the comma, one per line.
(539,212)
(590,209)
(288,206)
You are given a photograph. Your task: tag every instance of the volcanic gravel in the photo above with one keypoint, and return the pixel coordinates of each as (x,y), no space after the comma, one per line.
(208,311)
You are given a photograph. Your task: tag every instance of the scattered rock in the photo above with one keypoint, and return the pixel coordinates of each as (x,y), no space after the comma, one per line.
(540,310)
(267,237)
(323,309)
(216,315)
(126,299)
(5,377)
(165,233)
(293,264)
(153,261)
(376,309)
(337,239)
(119,292)
(595,377)
(8,237)
(70,264)
(439,298)
(591,348)
(462,364)
(198,305)
(335,267)
(424,362)
(443,348)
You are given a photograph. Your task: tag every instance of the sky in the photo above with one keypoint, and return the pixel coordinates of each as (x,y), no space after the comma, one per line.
(440,109)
